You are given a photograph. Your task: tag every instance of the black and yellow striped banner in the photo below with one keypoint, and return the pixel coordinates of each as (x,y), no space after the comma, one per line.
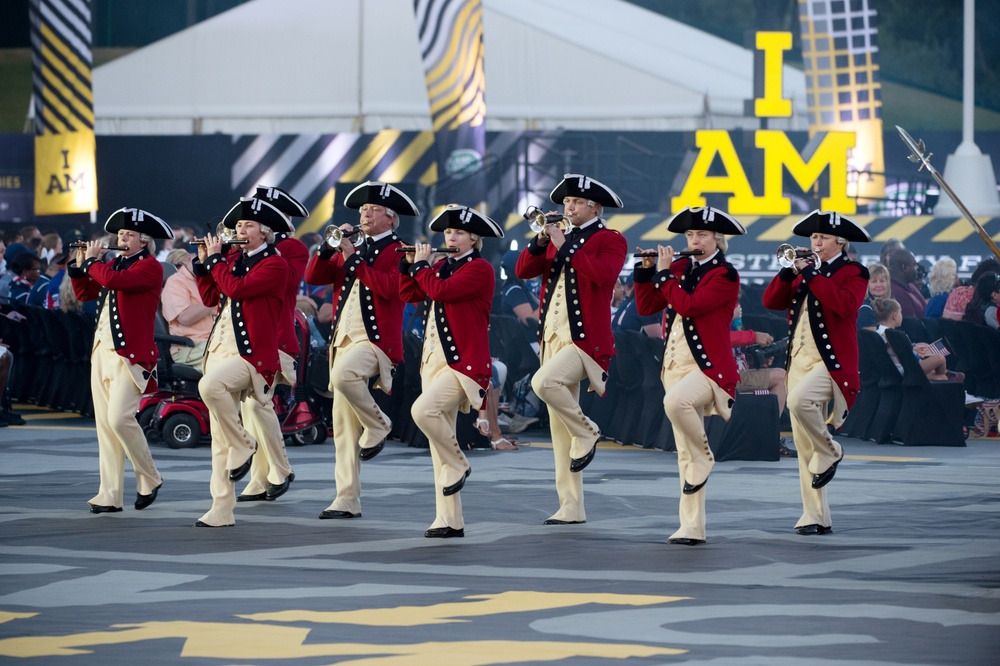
(63,102)
(451,47)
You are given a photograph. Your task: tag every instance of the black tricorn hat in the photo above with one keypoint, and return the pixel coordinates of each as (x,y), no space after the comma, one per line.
(260,211)
(281,200)
(380,194)
(834,224)
(705,219)
(585,187)
(136,219)
(468,219)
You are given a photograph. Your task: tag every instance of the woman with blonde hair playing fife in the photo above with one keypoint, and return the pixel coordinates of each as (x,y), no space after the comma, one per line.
(698,294)
(455,366)
(822,300)
(580,268)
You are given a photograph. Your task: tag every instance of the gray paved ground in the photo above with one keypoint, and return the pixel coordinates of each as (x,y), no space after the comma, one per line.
(909,576)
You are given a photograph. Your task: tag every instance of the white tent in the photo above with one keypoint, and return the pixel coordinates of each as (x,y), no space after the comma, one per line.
(327,66)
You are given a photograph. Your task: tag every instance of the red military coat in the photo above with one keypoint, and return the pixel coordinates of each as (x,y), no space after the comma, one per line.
(463,291)
(247,287)
(833,295)
(293,251)
(592,259)
(706,296)
(130,288)
(379,278)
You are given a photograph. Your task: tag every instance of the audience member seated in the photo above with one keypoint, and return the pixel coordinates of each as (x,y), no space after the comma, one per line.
(941,280)
(905,284)
(878,287)
(68,302)
(7,416)
(754,379)
(627,318)
(890,247)
(519,299)
(889,314)
(488,422)
(38,296)
(51,246)
(27,270)
(619,293)
(982,309)
(958,299)
(184,311)
(7,278)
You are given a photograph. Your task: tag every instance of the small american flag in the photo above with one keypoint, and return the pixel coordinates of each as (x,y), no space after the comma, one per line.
(939,347)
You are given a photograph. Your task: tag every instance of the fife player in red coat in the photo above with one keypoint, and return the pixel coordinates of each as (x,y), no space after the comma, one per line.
(271,474)
(698,294)
(366,338)
(822,302)
(241,357)
(455,367)
(580,269)
(124,356)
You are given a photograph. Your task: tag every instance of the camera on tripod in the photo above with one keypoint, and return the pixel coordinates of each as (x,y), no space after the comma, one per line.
(758,356)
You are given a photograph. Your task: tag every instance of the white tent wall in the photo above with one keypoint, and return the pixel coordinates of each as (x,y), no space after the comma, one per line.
(327,66)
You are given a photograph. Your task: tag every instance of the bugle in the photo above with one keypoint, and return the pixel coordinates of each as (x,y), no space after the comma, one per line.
(80,245)
(225,234)
(538,220)
(333,235)
(787,255)
(411,248)
(682,253)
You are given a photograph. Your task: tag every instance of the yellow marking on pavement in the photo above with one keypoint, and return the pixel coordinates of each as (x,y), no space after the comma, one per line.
(38,416)
(477,606)
(601,445)
(42,427)
(260,642)
(6,616)
(889,458)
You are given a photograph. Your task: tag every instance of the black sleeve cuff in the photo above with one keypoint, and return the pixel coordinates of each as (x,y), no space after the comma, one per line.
(325,251)
(537,249)
(417,267)
(640,274)
(786,274)
(88,263)
(808,273)
(662,277)
(212,261)
(74,271)
(199,269)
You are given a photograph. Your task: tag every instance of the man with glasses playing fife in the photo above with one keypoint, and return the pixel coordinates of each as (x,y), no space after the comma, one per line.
(580,268)
(699,293)
(367,332)
(822,290)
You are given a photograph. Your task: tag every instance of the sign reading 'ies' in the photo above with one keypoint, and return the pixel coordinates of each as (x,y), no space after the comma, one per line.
(827,150)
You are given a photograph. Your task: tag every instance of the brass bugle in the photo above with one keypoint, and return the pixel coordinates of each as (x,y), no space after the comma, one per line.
(334,234)
(80,245)
(787,255)
(682,253)
(539,220)
(411,248)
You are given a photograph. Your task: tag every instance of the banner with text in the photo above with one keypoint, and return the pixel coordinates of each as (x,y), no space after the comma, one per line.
(63,103)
